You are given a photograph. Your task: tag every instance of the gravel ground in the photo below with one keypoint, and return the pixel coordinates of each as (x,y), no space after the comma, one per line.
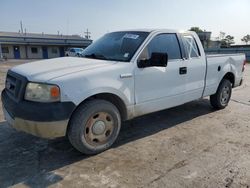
(187,146)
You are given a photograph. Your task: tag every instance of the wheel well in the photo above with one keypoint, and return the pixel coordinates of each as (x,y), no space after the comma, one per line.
(114,99)
(230,76)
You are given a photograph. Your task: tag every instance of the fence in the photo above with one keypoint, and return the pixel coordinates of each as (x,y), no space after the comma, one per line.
(230,51)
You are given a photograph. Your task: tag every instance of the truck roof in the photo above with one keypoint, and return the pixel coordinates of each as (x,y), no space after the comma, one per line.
(155,30)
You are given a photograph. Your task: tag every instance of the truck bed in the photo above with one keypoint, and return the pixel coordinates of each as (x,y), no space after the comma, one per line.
(209,55)
(217,65)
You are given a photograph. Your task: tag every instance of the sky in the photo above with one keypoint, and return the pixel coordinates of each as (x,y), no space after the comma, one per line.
(100,17)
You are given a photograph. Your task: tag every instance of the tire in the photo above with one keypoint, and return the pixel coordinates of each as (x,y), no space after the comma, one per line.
(222,97)
(94,126)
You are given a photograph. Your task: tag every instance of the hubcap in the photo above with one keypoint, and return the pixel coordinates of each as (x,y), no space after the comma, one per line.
(99,128)
(225,94)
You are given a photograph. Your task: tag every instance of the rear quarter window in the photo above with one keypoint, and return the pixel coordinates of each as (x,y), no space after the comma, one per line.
(191,46)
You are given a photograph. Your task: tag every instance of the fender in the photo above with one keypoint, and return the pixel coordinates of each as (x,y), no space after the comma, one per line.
(101,90)
(98,91)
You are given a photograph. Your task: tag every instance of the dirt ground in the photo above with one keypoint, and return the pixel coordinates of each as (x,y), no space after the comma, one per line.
(188,146)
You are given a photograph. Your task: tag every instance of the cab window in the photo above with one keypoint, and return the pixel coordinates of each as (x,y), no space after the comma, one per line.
(163,43)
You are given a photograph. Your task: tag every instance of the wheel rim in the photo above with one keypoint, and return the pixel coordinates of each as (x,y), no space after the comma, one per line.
(99,128)
(225,95)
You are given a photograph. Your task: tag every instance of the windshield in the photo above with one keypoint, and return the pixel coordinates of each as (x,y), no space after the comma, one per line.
(78,49)
(117,46)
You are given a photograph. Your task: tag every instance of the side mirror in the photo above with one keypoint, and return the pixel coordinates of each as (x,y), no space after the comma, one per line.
(156,60)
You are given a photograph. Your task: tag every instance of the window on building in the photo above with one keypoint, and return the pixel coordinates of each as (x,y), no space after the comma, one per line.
(191,46)
(34,50)
(54,50)
(5,50)
(163,43)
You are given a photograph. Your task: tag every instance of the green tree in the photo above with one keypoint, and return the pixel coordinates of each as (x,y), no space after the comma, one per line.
(246,39)
(195,29)
(227,41)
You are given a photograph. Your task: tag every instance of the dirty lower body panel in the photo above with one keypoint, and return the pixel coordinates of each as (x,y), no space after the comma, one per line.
(46,120)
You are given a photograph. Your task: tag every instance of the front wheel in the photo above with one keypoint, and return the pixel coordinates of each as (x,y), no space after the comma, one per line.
(94,126)
(222,97)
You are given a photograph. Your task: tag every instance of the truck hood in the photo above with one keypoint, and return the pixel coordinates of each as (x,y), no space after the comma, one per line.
(46,70)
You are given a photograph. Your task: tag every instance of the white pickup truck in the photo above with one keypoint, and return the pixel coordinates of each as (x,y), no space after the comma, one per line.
(122,75)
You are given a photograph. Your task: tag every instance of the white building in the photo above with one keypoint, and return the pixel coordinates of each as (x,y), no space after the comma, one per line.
(38,46)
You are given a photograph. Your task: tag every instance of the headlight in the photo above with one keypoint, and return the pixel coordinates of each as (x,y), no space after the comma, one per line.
(42,92)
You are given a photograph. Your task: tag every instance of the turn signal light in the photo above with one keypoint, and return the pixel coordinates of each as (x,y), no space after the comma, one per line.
(54,92)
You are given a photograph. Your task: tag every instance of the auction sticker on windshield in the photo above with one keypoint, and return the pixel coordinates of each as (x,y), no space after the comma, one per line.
(131,36)
(126,55)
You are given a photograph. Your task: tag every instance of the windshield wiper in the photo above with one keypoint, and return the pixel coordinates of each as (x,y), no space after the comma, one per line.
(96,56)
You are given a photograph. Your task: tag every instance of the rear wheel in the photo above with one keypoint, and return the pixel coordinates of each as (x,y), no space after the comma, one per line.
(94,126)
(222,97)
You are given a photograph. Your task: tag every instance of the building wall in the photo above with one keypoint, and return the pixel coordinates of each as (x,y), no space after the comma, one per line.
(47,46)
(53,52)
(9,55)
(214,44)
(22,52)
(37,55)
(27,51)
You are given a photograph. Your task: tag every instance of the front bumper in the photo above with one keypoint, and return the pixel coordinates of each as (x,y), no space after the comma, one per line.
(40,129)
(46,120)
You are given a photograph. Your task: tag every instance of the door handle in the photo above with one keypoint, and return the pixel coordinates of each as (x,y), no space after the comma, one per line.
(127,75)
(183,70)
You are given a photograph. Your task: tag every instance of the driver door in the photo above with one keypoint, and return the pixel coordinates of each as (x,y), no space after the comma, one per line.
(158,88)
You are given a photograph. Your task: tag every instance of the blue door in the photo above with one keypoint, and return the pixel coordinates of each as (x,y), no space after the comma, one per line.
(45,52)
(16,52)
(61,51)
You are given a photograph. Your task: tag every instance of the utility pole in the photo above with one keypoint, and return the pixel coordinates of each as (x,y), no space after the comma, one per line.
(87,34)
(21,25)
